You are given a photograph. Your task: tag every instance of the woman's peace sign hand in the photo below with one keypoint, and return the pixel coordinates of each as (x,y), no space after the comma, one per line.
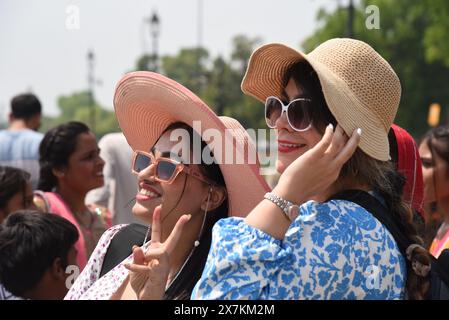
(149,271)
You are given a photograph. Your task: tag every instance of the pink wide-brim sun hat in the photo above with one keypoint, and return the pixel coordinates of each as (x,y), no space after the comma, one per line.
(146,103)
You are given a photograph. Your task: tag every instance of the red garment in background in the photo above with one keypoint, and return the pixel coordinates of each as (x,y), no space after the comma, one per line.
(409,164)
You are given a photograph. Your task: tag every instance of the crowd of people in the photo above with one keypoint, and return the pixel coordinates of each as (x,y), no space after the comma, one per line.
(360,210)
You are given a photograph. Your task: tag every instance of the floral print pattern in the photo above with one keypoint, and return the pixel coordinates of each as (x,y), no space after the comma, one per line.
(332,250)
(89,285)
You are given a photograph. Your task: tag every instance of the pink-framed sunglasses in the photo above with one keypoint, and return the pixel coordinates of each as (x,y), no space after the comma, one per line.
(166,169)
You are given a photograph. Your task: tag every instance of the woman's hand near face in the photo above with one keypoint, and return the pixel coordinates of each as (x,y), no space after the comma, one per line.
(309,175)
(315,171)
(149,271)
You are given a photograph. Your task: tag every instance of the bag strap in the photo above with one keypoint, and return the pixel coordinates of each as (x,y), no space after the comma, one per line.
(121,245)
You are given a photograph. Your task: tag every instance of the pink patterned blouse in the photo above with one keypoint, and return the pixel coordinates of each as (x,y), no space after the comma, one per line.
(89,285)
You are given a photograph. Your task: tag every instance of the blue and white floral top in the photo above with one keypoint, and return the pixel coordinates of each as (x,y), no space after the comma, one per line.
(332,250)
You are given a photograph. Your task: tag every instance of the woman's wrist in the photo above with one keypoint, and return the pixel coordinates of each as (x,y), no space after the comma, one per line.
(289,194)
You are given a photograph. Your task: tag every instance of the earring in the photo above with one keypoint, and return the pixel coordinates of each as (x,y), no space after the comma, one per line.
(60,174)
(197,242)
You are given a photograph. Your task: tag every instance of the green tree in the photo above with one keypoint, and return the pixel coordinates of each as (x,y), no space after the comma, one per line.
(188,67)
(146,63)
(435,35)
(247,110)
(242,49)
(218,81)
(221,90)
(411,38)
(76,107)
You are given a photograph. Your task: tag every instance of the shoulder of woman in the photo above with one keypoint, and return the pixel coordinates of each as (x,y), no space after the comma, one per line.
(335,208)
(111,232)
(41,201)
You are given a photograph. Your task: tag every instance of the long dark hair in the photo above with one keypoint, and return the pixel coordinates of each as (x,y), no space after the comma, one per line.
(182,286)
(55,149)
(379,175)
(437,140)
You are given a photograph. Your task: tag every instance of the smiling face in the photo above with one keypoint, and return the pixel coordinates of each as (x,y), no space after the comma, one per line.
(435,175)
(84,170)
(184,195)
(293,144)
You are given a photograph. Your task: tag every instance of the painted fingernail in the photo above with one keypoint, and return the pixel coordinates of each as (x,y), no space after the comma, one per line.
(331,126)
(359,131)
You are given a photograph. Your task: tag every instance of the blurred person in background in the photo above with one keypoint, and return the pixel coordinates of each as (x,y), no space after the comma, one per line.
(406,159)
(15,191)
(19,143)
(119,190)
(434,151)
(36,250)
(70,166)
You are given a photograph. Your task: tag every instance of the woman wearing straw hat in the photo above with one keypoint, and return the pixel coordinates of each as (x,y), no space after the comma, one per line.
(306,240)
(174,179)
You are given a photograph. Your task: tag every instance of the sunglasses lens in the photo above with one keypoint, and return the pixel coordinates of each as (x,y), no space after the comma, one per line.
(273,110)
(141,162)
(165,170)
(299,114)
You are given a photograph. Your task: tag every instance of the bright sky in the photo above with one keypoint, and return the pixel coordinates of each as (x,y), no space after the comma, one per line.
(39,53)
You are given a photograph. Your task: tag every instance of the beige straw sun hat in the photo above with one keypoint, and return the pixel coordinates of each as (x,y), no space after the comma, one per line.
(359,86)
(146,103)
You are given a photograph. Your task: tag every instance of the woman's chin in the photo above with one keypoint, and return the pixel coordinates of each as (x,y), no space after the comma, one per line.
(281,165)
(143,213)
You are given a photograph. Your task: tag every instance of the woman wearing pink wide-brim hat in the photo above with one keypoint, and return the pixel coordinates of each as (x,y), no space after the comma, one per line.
(184,184)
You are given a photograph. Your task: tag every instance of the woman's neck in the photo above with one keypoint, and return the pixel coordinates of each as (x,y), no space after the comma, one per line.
(186,243)
(339,186)
(74,199)
(443,208)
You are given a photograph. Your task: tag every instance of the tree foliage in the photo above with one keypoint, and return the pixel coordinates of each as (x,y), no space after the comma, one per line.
(412,38)
(217,81)
(77,107)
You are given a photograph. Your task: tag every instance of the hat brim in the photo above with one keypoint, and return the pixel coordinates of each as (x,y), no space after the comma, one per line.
(263,78)
(146,103)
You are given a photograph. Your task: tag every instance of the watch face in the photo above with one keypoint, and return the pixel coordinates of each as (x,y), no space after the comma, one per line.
(293,212)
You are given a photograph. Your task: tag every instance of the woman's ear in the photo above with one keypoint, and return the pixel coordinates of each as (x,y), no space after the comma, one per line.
(57,269)
(58,173)
(215,196)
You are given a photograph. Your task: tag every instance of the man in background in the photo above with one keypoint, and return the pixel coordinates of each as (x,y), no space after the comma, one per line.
(19,143)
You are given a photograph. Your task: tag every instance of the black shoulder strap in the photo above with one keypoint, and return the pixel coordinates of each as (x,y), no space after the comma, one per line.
(121,245)
(379,211)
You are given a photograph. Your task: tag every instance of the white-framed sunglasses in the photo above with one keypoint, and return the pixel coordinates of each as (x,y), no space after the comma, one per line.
(298,112)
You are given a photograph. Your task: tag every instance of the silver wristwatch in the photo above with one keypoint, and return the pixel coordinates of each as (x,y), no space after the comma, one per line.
(286,206)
